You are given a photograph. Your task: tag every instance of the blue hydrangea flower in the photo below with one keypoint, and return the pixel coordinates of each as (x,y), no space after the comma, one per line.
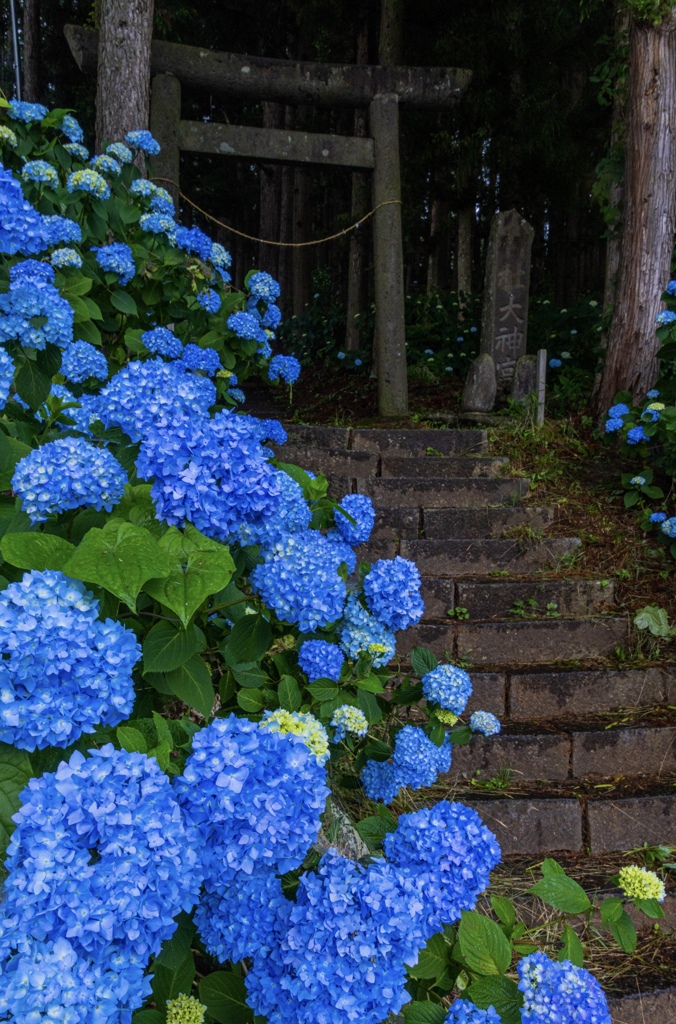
(555,363)
(362,633)
(668,527)
(158,224)
(6,376)
(343,551)
(82,411)
(122,864)
(40,171)
(76,150)
(161,341)
(292,515)
(60,229)
(142,187)
(245,325)
(162,202)
(380,781)
(658,517)
(618,410)
(392,592)
(7,137)
(653,394)
(71,129)
(302,724)
(65,258)
(348,719)
(206,359)
(80,361)
(63,671)
(194,240)
(637,481)
(555,992)
(667,316)
(214,473)
(120,152)
(88,181)
(254,797)
(141,395)
(116,258)
(264,287)
(321,660)
(362,511)
(143,140)
(464,1012)
(484,722)
(220,257)
(449,687)
(22,229)
(19,110)
(209,300)
(68,473)
(299,581)
(239,920)
(613,424)
(106,164)
(272,317)
(286,367)
(636,435)
(416,762)
(32,294)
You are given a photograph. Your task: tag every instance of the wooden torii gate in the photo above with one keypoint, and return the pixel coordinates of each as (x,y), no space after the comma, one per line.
(382,89)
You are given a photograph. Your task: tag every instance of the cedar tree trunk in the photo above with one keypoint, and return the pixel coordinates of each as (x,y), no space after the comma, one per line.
(31,51)
(123,78)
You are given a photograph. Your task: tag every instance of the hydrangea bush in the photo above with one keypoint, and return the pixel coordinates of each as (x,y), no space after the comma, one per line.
(193,661)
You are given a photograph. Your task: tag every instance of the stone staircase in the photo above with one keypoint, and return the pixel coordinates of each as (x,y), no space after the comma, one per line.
(585,763)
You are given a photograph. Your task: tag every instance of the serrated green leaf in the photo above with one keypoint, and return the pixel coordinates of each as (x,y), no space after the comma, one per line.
(250,638)
(373,830)
(175,949)
(224,996)
(11,453)
(418,1012)
(32,384)
(148,1017)
(199,567)
(251,676)
(369,705)
(170,982)
(322,691)
(611,910)
(36,550)
(624,933)
(572,947)
(562,892)
(433,961)
(251,701)
(504,910)
(192,684)
(651,908)
(371,684)
(483,944)
(500,993)
(124,303)
(289,693)
(166,648)
(423,661)
(131,739)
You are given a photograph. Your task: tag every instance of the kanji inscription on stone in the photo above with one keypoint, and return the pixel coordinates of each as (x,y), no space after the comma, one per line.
(504,320)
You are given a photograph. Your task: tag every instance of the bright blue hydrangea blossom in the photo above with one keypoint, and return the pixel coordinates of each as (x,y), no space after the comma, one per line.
(206,359)
(6,376)
(209,300)
(63,671)
(361,509)
(484,722)
(143,140)
(163,342)
(463,1012)
(264,287)
(321,660)
(392,592)
(286,367)
(116,258)
(555,992)
(362,633)
(416,762)
(449,687)
(32,294)
(80,361)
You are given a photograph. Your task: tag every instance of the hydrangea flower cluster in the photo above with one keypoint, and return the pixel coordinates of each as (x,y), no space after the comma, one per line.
(362,633)
(194,240)
(89,181)
(106,164)
(361,509)
(416,762)
(306,726)
(636,435)
(668,527)
(60,229)
(348,719)
(120,152)
(161,341)
(264,287)
(209,300)
(20,110)
(184,1009)
(667,316)
(81,153)
(6,376)
(321,660)
(7,136)
(141,395)
(68,473)
(658,517)
(196,358)
(63,671)
(554,992)
(116,258)
(484,722)
(161,202)
(392,591)
(449,687)
(21,226)
(158,224)
(71,129)
(463,1012)
(640,884)
(80,361)
(111,886)
(292,515)
(66,258)
(300,583)
(286,367)
(32,295)
(239,920)
(41,172)
(212,472)
(245,325)
(143,140)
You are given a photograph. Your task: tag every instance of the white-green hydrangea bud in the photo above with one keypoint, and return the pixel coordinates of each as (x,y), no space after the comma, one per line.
(640,884)
(185,1010)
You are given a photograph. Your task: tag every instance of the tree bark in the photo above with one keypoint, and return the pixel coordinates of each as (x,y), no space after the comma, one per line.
(463,254)
(123,78)
(649,211)
(32,78)
(390,46)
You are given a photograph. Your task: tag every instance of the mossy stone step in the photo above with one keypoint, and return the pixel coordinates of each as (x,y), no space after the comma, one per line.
(480,557)
(566,696)
(485,600)
(444,467)
(417,442)
(469,492)
(461,523)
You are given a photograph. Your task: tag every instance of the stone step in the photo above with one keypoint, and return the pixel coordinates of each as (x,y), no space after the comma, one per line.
(460,523)
(417,442)
(445,467)
(395,523)
(317,437)
(480,557)
(567,696)
(534,826)
(330,461)
(645,1007)
(540,642)
(470,492)
(496,600)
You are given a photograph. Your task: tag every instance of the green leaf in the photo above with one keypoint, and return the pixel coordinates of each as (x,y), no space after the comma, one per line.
(651,908)
(655,619)
(433,962)
(250,675)
(251,701)
(424,1013)
(11,452)
(166,648)
(373,830)
(169,983)
(500,993)
(131,739)
(572,948)
(124,303)
(611,910)
(378,750)
(624,933)
(175,949)
(192,684)
(631,499)
(15,772)
(289,694)
(36,550)
(504,910)
(483,944)
(32,384)
(423,661)
(369,705)
(250,638)
(148,1017)
(562,892)
(407,694)
(322,691)
(198,567)
(120,558)
(224,996)
(371,684)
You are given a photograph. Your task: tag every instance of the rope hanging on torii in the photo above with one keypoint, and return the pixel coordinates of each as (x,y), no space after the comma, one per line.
(382,89)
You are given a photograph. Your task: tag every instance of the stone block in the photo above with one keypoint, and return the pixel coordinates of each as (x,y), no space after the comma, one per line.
(567,696)
(444,467)
(656,1007)
(488,694)
(573,598)
(460,493)
(529,757)
(439,597)
(480,557)
(416,442)
(440,640)
(460,523)
(525,382)
(318,437)
(481,385)
(331,461)
(525,827)
(649,751)
(394,523)
(540,642)
(627,823)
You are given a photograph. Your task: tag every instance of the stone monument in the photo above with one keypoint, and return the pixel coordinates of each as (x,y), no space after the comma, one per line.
(504,318)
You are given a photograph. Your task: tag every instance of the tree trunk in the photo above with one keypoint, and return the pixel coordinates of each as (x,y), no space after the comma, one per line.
(356,282)
(437,271)
(31,51)
(390,44)
(464,251)
(270,197)
(649,211)
(123,79)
